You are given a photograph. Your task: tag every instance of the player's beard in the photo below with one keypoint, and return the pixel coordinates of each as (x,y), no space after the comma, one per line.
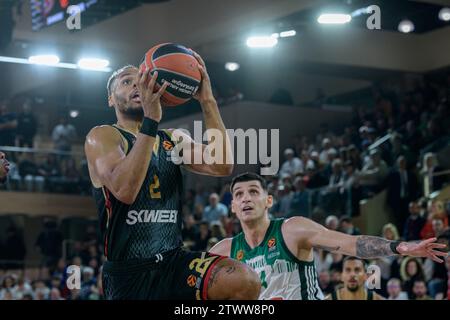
(353,289)
(134,113)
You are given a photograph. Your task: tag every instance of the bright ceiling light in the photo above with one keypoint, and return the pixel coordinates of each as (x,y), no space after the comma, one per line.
(93,63)
(232,66)
(289,33)
(262,42)
(334,18)
(444,14)
(45,59)
(74,113)
(406,26)
(49,62)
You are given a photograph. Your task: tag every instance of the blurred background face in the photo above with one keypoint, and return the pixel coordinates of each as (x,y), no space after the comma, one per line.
(414,208)
(353,275)
(438,226)
(388,234)
(332,223)
(393,288)
(411,268)
(419,289)
(213,200)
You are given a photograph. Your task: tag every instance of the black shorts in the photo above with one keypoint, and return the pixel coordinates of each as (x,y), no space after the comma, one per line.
(175,275)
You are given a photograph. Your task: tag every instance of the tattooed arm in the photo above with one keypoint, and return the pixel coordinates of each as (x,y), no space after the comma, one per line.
(309,234)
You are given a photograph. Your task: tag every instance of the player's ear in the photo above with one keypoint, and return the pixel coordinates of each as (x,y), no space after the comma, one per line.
(269,201)
(110,101)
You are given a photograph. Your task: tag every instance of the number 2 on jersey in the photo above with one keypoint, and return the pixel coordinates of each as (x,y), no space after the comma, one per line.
(154,193)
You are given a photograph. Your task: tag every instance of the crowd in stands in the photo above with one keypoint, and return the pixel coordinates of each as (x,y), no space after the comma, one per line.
(323,178)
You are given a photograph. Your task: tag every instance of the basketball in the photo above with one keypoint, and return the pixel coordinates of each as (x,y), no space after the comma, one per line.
(177,65)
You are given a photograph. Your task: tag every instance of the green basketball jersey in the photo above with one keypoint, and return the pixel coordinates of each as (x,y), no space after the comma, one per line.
(283,276)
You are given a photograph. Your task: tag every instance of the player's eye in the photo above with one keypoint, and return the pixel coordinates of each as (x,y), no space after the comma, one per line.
(238,194)
(126,82)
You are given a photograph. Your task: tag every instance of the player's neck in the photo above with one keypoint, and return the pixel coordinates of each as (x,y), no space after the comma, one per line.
(132,125)
(360,294)
(255,231)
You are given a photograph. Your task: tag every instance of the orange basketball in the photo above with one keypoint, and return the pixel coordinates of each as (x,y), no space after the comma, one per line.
(177,65)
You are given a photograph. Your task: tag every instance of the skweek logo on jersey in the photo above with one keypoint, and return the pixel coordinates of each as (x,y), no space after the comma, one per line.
(147,216)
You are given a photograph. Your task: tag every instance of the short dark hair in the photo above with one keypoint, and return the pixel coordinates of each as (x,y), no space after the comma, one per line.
(114,76)
(352,258)
(248,176)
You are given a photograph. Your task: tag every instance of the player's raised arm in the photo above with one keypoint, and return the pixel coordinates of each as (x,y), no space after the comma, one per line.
(213,121)
(313,235)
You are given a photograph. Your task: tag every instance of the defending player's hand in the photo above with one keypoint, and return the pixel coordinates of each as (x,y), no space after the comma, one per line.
(151,101)
(427,248)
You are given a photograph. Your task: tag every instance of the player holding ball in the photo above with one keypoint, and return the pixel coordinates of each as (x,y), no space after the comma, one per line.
(138,189)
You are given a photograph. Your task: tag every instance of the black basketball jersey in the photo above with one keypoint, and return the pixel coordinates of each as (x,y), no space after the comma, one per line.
(152,224)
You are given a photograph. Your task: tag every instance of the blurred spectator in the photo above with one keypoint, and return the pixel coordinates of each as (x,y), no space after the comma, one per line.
(398,149)
(225,195)
(51,171)
(49,243)
(198,212)
(346,226)
(325,282)
(394,290)
(22,289)
(29,172)
(327,150)
(332,223)
(402,189)
(413,138)
(336,181)
(71,176)
(414,223)
(431,167)
(373,174)
(420,290)
(202,240)
(411,269)
(299,204)
(7,287)
(215,210)
(292,165)
(190,231)
(8,125)
(63,135)
(282,204)
(26,126)
(217,231)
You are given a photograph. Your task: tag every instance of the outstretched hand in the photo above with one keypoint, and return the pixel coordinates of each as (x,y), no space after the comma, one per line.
(426,248)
